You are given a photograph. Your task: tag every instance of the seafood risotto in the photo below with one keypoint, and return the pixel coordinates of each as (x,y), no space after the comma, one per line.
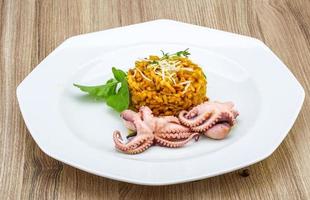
(167,84)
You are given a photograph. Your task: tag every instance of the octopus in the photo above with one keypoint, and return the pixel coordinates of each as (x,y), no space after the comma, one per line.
(213,119)
(165,131)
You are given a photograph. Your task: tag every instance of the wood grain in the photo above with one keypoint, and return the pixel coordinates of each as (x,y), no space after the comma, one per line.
(30,30)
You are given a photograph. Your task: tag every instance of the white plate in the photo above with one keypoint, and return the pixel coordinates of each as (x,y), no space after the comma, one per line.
(78,131)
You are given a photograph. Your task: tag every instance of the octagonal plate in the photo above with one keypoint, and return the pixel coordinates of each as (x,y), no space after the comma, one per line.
(72,128)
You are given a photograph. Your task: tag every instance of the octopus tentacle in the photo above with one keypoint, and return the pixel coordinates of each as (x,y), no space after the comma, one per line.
(192,113)
(171,119)
(117,140)
(229,118)
(235,113)
(196,121)
(207,124)
(147,144)
(133,145)
(174,144)
(144,137)
(181,135)
(173,128)
(215,119)
(230,107)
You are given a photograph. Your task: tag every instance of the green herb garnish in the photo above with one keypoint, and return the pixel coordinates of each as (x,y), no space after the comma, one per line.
(165,55)
(183,53)
(131,134)
(119,75)
(100,91)
(118,99)
(153,62)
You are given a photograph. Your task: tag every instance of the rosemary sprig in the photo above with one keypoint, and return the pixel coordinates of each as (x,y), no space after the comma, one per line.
(183,53)
(165,55)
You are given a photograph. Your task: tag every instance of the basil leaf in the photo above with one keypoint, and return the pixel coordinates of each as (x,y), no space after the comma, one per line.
(120,101)
(117,99)
(110,88)
(100,91)
(110,81)
(119,75)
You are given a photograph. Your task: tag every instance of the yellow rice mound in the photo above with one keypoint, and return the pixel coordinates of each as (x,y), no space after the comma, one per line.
(166,90)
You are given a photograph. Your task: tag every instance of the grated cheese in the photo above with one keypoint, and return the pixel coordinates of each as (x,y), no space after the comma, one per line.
(143,75)
(167,68)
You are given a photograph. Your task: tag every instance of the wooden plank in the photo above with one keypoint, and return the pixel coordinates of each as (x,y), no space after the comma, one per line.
(30,30)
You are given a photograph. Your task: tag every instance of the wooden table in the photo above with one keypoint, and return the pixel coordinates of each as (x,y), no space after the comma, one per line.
(30,30)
